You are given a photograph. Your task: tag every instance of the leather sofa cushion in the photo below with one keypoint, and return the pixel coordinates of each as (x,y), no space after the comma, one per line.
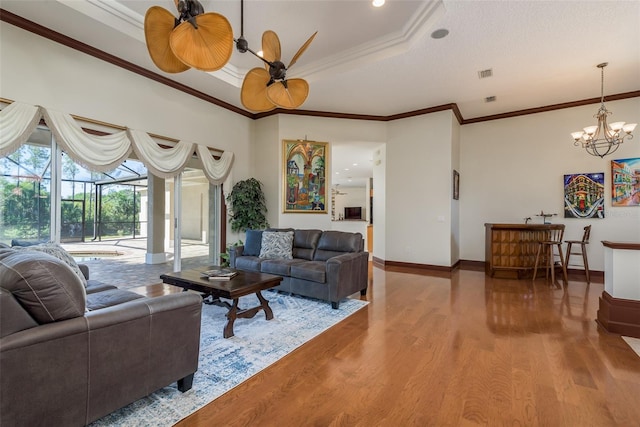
(110,298)
(13,318)
(310,270)
(281,267)
(250,263)
(58,252)
(333,243)
(44,286)
(94,286)
(305,243)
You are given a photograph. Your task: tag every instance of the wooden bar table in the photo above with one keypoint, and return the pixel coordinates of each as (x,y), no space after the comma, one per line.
(510,249)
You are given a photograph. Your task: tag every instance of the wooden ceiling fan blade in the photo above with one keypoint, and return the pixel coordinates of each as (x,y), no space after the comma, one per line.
(206,48)
(254,90)
(270,47)
(289,97)
(302,49)
(158,25)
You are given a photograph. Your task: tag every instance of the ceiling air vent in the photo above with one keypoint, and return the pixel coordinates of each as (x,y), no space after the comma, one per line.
(483,74)
(490,99)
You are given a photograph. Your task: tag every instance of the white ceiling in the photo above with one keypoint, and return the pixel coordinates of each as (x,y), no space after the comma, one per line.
(383,61)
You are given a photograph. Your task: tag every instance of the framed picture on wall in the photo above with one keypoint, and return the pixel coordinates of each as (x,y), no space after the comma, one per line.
(304,166)
(456,185)
(584,195)
(625,182)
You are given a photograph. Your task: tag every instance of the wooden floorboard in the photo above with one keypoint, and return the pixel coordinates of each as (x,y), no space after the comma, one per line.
(465,350)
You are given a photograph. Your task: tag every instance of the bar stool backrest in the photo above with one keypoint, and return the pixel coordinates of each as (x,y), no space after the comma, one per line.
(556,233)
(587,233)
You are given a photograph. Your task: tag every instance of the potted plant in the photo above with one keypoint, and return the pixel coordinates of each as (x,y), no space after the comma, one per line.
(248,206)
(225,257)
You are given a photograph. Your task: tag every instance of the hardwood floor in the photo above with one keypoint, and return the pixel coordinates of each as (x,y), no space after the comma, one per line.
(459,351)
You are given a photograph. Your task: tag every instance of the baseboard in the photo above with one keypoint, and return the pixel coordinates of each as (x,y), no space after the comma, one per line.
(471,265)
(410,267)
(619,316)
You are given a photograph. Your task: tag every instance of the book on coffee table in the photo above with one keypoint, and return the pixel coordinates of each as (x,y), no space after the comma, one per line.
(220,274)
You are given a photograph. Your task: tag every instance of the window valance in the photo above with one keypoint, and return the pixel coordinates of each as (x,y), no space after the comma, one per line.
(103,153)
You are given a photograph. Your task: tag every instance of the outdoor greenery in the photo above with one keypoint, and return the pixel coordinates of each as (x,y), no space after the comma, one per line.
(25,211)
(25,198)
(248,206)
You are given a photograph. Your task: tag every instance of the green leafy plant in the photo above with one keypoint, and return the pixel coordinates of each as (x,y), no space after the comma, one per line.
(248,206)
(225,257)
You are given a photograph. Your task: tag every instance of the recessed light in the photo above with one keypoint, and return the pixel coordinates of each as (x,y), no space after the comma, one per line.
(346,169)
(355,164)
(377,3)
(440,34)
(337,173)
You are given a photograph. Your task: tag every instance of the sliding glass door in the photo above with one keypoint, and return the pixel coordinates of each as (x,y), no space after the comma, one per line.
(26,192)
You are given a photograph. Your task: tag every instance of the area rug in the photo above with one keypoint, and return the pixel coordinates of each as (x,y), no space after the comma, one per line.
(634,343)
(225,363)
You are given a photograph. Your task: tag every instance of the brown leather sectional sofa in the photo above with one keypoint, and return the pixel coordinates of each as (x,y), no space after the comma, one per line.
(328,265)
(70,355)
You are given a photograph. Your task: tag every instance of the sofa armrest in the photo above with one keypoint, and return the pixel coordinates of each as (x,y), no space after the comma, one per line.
(234,253)
(111,357)
(150,343)
(84,268)
(347,274)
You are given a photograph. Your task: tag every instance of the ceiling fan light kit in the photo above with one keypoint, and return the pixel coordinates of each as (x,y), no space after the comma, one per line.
(603,138)
(204,41)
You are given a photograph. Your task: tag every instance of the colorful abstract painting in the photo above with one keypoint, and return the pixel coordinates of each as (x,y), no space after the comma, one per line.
(625,182)
(304,164)
(584,195)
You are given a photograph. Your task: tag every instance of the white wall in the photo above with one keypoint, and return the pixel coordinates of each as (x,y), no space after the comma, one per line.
(455,204)
(380,203)
(514,168)
(418,189)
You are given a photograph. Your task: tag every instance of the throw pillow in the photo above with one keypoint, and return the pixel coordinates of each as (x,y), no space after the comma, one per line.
(58,252)
(253,243)
(277,245)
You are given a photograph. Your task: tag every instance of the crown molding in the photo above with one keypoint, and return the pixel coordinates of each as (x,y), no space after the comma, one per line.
(49,34)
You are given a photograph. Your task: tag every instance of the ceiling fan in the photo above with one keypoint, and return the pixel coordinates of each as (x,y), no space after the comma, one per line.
(195,39)
(337,192)
(264,89)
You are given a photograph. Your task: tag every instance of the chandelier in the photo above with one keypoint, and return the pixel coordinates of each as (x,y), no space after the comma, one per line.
(603,138)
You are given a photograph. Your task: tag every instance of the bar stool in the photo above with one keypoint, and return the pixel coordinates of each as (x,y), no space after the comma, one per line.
(583,251)
(554,238)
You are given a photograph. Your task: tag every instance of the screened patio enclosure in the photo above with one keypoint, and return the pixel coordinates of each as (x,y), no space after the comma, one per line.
(94,206)
(101,206)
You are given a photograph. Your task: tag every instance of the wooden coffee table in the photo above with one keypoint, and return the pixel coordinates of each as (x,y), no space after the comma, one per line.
(245,283)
